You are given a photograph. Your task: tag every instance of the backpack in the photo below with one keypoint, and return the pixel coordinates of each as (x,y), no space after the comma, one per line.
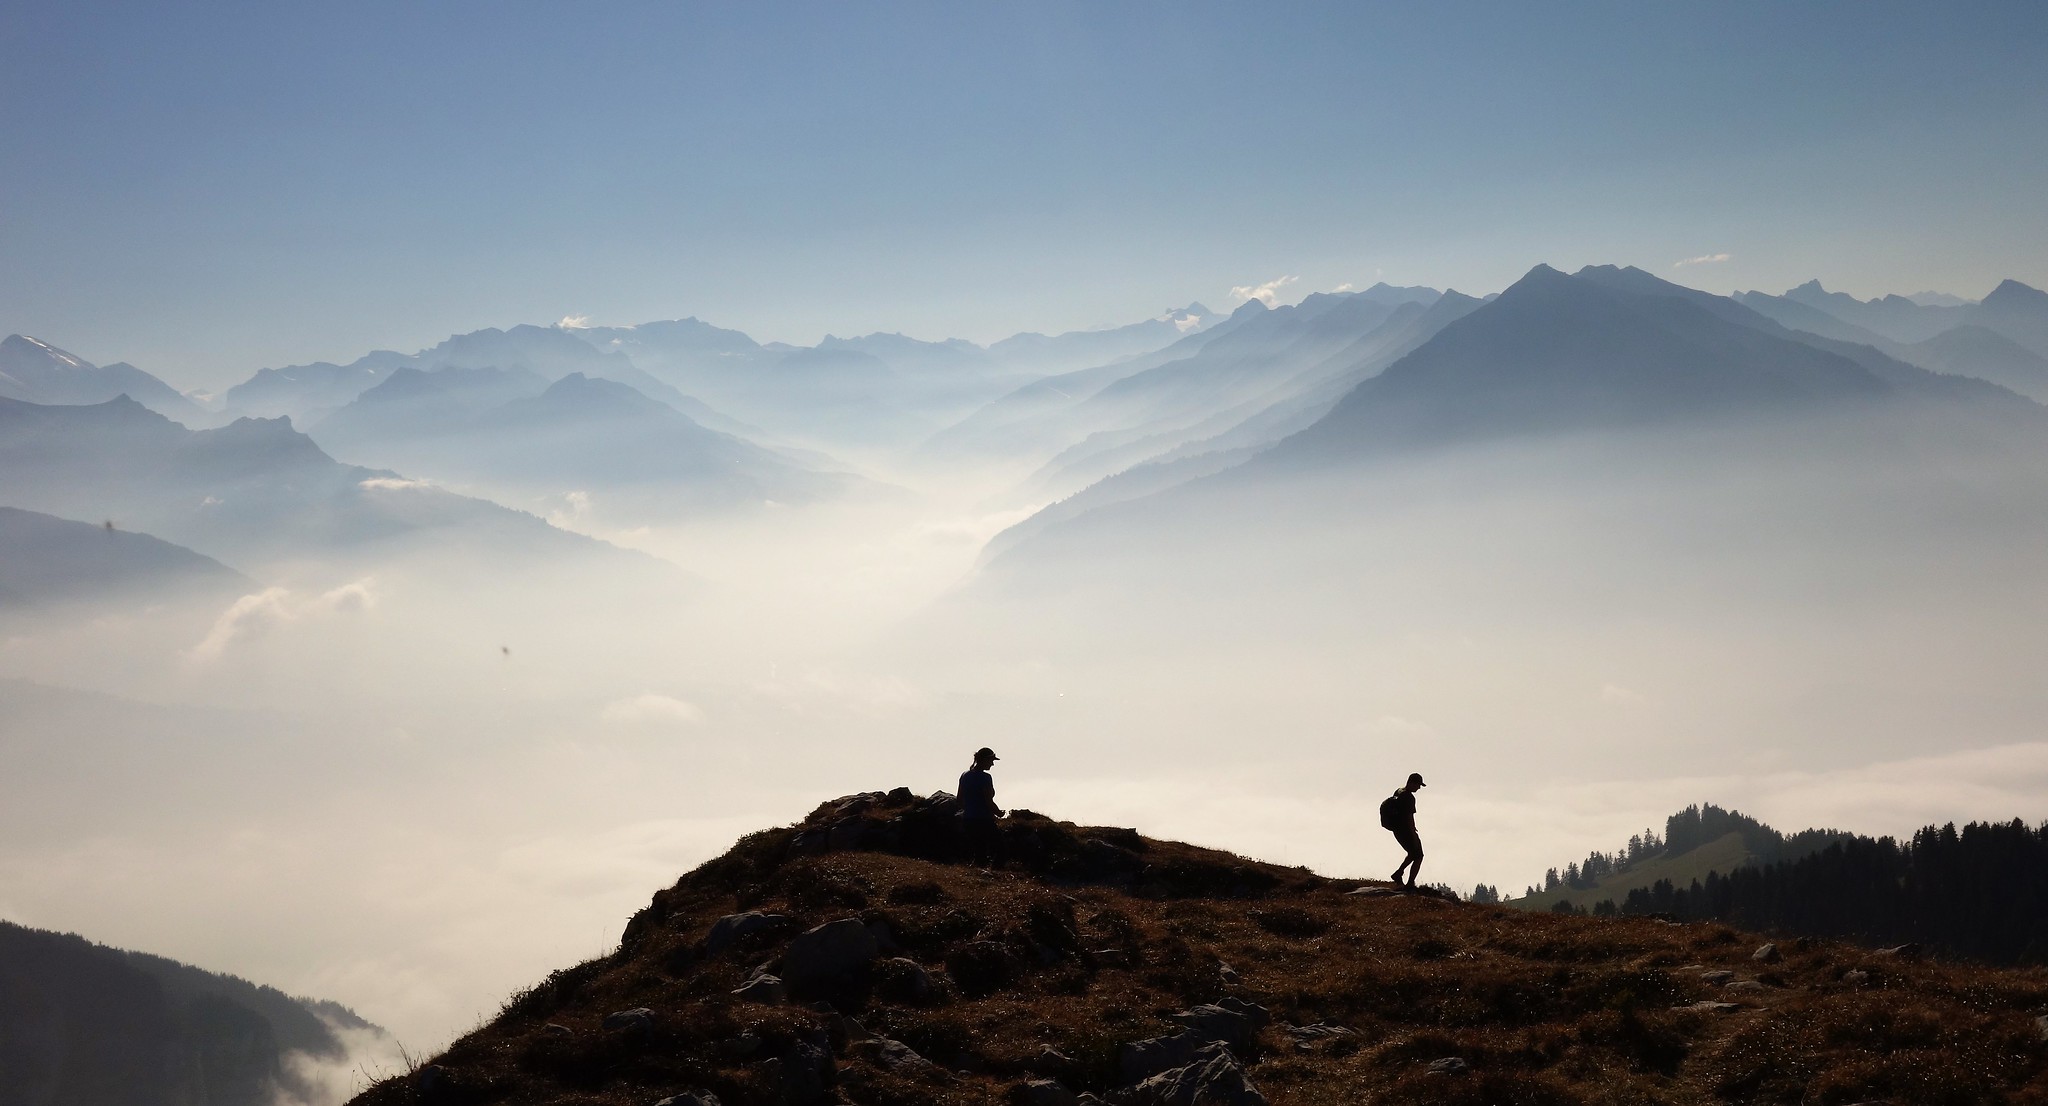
(1393,814)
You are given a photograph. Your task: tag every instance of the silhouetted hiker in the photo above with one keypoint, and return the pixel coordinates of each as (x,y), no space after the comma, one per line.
(978,811)
(1397,813)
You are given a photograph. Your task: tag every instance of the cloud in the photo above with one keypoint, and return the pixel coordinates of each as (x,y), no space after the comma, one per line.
(652,708)
(1703,259)
(574,322)
(1265,293)
(253,616)
(1344,287)
(392,484)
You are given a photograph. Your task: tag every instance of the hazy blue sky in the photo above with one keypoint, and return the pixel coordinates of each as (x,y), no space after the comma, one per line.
(204,189)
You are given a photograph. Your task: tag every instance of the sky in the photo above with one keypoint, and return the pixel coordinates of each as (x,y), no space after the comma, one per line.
(205,189)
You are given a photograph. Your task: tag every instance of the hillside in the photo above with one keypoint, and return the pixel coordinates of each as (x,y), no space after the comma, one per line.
(1697,842)
(846,960)
(86,1025)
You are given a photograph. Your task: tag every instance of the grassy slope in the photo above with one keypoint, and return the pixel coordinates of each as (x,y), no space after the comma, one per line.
(1545,1008)
(1724,854)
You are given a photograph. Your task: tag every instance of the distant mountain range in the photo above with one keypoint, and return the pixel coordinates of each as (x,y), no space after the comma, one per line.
(249,493)
(86,1025)
(37,372)
(513,435)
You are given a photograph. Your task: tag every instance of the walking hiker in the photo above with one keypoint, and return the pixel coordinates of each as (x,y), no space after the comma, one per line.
(1397,813)
(978,811)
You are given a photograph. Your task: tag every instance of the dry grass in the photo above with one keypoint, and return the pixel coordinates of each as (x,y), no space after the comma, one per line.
(1104,934)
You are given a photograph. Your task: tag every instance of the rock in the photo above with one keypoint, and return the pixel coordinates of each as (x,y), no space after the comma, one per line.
(1213,1078)
(1710,1007)
(1856,977)
(1768,954)
(1317,1033)
(741,1047)
(1375,892)
(803,1074)
(2041,1023)
(1228,975)
(732,927)
(1908,951)
(1110,958)
(904,980)
(1040,1092)
(1139,1060)
(638,1019)
(1232,1021)
(831,955)
(1449,1065)
(845,834)
(1802,944)
(690,1098)
(557,1029)
(893,1056)
(898,796)
(1053,1062)
(1744,985)
(763,988)
(1716,979)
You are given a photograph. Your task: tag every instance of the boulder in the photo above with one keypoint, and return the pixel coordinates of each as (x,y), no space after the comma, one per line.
(831,955)
(801,1076)
(1856,977)
(690,1098)
(901,979)
(898,796)
(639,1019)
(1710,1007)
(1232,1021)
(2041,1023)
(1317,1034)
(1907,951)
(557,1029)
(732,927)
(763,988)
(1213,1078)
(1139,1060)
(1449,1065)
(1717,979)
(1744,985)
(1768,954)
(893,1056)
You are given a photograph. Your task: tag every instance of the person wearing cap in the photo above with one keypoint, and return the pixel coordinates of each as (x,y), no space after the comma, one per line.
(1398,815)
(978,811)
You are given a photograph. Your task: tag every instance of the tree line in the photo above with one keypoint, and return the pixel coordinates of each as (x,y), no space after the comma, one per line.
(1979,892)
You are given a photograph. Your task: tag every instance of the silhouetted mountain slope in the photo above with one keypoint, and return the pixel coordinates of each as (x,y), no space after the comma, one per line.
(848,959)
(86,1025)
(37,372)
(1225,422)
(45,561)
(1972,350)
(1559,354)
(2016,311)
(249,492)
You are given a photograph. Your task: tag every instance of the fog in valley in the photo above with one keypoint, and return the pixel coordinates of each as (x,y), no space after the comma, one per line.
(417,697)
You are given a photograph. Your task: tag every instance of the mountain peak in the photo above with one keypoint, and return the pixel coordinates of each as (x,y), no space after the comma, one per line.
(2011,293)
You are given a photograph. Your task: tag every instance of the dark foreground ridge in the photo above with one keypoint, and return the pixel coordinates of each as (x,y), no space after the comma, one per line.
(848,959)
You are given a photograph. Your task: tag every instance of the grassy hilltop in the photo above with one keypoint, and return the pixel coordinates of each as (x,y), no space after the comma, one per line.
(872,969)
